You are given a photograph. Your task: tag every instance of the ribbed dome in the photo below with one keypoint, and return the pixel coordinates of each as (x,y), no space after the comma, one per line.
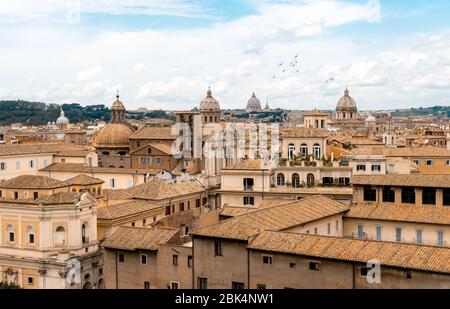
(346,103)
(62,119)
(117,105)
(209,103)
(114,134)
(253,104)
(371,119)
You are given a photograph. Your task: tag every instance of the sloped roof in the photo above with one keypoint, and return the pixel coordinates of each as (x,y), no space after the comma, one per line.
(413,180)
(159,190)
(83,180)
(32,182)
(151,132)
(124,209)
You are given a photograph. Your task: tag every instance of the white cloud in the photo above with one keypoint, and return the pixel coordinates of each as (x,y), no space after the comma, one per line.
(89,73)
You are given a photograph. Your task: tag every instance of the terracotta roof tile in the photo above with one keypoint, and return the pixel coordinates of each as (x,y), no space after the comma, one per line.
(413,180)
(32,182)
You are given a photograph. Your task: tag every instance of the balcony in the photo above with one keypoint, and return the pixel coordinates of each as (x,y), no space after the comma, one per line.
(362,235)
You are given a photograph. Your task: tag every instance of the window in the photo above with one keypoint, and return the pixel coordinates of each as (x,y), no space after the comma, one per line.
(447,162)
(370,194)
(248,184)
(45,163)
(329,228)
(112,183)
(398,234)
(30,235)
(363,271)
(143,259)
(249,200)
(35,195)
(316,152)
(280,179)
(429,196)
(295,180)
(360,233)
(133,223)
(419,236)
(237,285)
(173,208)
(267,259)
(175,259)
(408,275)
(10,230)
(60,235)
(291,152)
(146,285)
(388,195)
(197,203)
(416,162)
(440,238)
(314,266)
(260,286)
(315,230)
(174,285)
(3,166)
(189,261)
(304,150)
(30,280)
(376,168)
(292,265)
(408,195)
(17,165)
(189,205)
(158,161)
(446,197)
(167,210)
(16,195)
(378,232)
(204,201)
(391,167)
(31,163)
(202,283)
(429,163)
(217,248)
(337,225)
(144,222)
(121,258)
(360,167)
(181,206)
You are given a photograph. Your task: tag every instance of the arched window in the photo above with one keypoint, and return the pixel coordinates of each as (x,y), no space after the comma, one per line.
(291,151)
(310,180)
(295,181)
(316,152)
(105,153)
(99,191)
(304,150)
(280,179)
(60,236)
(122,153)
(84,233)
(11,234)
(30,235)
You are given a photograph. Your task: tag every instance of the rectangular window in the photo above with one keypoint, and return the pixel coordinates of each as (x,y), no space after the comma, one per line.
(146,285)
(237,285)
(11,236)
(337,225)
(143,259)
(329,228)
(267,259)
(388,195)
(376,168)
(314,266)
(416,162)
(419,236)
(315,230)
(181,206)
(167,210)
(249,200)
(363,271)
(391,167)
(175,259)
(144,222)
(133,223)
(217,248)
(31,238)
(248,184)
(31,163)
(197,203)
(121,258)
(429,163)
(35,195)
(360,167)
(202,283)
(446,197)
(440,238)
(447,162)
(204,200)
(3,166)
(398,234)
(370,194)
(17,165)
(429,196)
(174,285)
(378,232)
(260,286)
(16,195)
(112,183)
(189,261)
(292,265)
(360,233)
(30,280)
(45,163)
(408,195)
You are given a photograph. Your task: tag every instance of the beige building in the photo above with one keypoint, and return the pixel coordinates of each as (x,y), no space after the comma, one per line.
(316,120)
(303,143)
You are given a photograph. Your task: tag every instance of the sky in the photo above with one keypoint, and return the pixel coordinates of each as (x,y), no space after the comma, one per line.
(163,54)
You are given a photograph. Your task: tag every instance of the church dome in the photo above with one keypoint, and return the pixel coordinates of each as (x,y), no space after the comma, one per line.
(62,119)
(117,105)
(370,119)
(346,103)
(209,103)
(114,134)
(253,104)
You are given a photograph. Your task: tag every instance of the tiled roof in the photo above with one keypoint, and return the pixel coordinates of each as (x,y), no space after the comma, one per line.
(417,214)
(247,165)
(116,194)
(84,168)
(156,133)
(60,198)
(427,152)
(274,218)
(134,238)
(159,190)
(167,149)
(413,180)
(73,153)
(408,256)
(232,211)
(32,182)
(302,132)
(124,209)
(23,149)
(83,180)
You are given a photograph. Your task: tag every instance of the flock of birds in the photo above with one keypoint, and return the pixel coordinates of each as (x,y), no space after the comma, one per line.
(294,65)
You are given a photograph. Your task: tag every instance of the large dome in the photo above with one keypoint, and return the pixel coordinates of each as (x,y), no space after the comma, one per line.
(209,103)
(346,103)
(114,134)
(253,104)
(117,105)
(62,119)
